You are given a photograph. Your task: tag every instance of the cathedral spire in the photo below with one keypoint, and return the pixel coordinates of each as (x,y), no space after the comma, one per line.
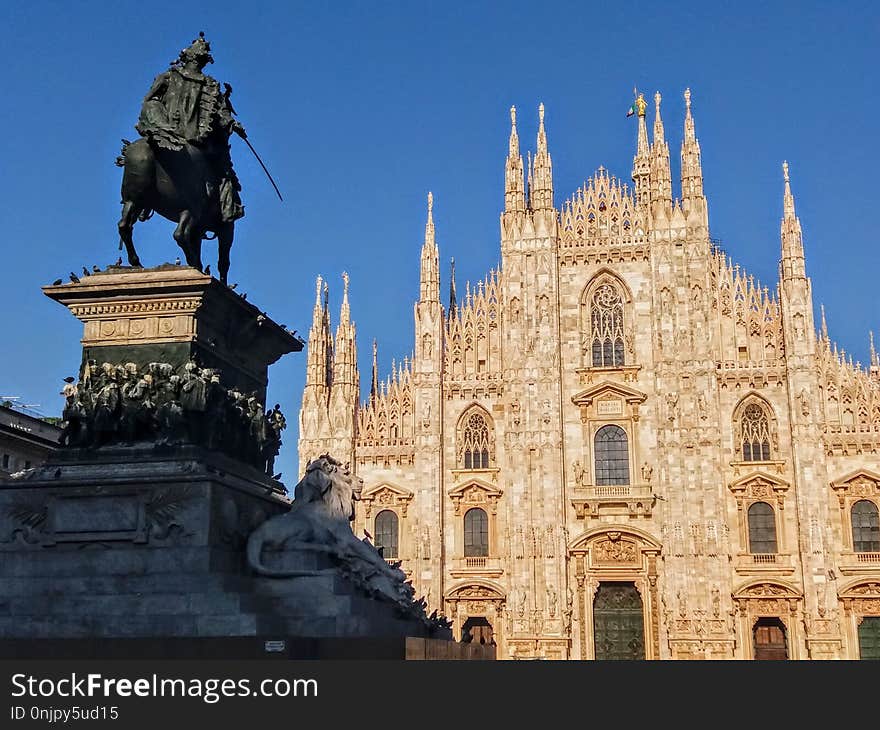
(514,183)
(660,175)
(374,380)
(642,143)
(345,311)
(429,279)
(453,297)
(318,313)
(541,171)
(345,353)
(824,323)
(429,225)
(788,198)
(693,202)
(659,137)
(641,172)
(689,131)
(875,360)
(320,346)
(328,337)
(792,262)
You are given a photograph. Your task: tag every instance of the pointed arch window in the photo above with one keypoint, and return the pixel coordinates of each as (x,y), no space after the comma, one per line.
(762,528)
(475,451)
(755,430)
(865,527)
(612,456)
(476,533)
(607,341)
(387,533)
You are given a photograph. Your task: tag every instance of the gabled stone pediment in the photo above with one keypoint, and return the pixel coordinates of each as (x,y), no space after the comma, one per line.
(857,477)
(386,494)
(384,487)
(475,483)
(759,485)
(609,400)
(475,493)
(857,484)
(607,387)
(756,479)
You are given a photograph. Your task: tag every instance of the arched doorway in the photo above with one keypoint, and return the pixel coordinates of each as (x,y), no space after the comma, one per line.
(477,630)
(618,622)
(769,639)
(477,611)
(770,614)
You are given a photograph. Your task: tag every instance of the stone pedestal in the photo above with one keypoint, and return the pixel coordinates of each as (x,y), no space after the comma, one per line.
(171,314)
(127,542)
(139,550)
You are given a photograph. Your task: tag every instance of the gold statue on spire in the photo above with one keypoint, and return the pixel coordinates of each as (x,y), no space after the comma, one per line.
(640,106)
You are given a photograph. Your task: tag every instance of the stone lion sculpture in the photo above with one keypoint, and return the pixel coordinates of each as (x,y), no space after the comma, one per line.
(319,521)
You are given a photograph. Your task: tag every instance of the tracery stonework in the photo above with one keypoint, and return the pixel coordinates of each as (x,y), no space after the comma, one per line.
(614,308)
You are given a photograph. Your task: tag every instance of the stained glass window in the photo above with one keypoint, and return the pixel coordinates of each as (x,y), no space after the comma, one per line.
(755,434)
(606,327)
(475,442)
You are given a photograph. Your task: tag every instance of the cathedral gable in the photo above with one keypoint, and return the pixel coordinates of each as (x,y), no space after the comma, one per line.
(475,492)
(386,495)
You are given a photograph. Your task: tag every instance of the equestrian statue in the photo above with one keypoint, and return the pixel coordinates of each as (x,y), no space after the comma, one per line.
(181,165)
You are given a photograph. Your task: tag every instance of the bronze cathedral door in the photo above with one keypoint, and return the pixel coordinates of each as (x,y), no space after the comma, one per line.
(618,622)
(869,638)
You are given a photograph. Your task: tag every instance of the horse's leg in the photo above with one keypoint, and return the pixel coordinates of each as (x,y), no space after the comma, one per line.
(193,234)
(126,226)
(183,236)
(179,232)
(225,234)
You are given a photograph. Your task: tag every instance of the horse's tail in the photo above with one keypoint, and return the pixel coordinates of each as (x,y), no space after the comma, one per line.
(120,161)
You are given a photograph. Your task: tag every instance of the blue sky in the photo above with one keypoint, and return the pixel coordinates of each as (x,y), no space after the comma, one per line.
(360,108)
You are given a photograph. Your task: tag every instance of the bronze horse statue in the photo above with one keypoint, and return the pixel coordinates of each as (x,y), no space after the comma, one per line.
(181,167)
(180,185)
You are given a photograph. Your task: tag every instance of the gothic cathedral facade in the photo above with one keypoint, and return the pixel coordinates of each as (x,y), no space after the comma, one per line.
(619,445)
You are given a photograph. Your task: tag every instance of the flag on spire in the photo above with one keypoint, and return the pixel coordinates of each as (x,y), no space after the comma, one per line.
(639,105)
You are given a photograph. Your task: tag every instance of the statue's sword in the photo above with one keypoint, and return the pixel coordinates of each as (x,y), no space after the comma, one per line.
(268,174)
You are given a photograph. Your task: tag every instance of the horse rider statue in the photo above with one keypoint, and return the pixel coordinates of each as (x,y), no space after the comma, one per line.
(182,167)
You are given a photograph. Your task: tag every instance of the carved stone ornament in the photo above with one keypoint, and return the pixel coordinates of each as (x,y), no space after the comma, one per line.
(475,493)
(759,486)
(386,496)
(613,549)
(856,485)
(767,599)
